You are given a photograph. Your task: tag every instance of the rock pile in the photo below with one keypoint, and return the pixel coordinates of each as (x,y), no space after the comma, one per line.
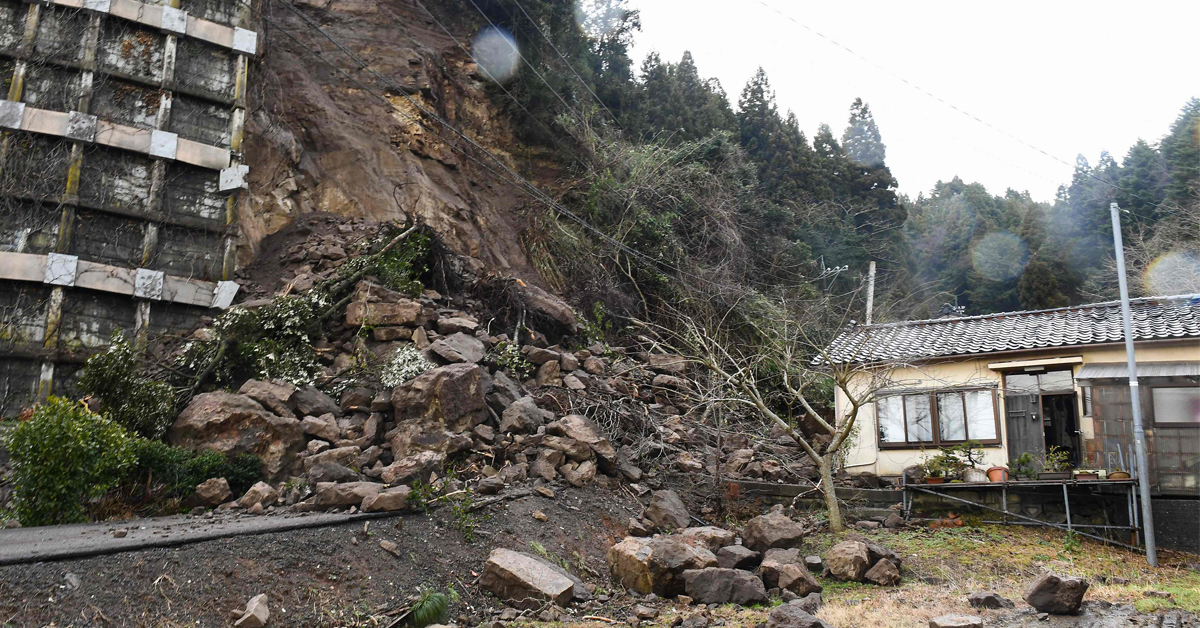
(860,560)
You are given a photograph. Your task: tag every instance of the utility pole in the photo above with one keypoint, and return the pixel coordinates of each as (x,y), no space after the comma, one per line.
(1139,433)
(870,291)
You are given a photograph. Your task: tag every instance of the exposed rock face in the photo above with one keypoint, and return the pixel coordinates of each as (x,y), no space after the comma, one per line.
(525,581)
(437,403)
(666,510)
(212,492)
(883,573)
(229,423)
(793,616)
(711,537)
(772,530)
(1055,594)
(656,565)
(724,586)
(848,560)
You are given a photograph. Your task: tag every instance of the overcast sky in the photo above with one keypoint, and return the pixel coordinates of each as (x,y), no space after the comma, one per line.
(1068,77)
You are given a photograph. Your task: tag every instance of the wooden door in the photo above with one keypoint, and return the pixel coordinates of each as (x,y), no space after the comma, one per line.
(1023,428)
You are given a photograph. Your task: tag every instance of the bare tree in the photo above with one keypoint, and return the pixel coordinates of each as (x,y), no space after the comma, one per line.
(786,373)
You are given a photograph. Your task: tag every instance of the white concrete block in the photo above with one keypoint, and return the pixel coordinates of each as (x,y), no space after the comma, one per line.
(81,127)
(11,114)
(174,20)
(163,144)
(223,294)
(99,6)
(245,41)
(60,269)
(234,178)
(148,284)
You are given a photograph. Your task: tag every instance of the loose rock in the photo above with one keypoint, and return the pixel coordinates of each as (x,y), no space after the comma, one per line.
(793,616)
(772,530)
(956,621)
(721,586)
(256,614)
(989,600)
(666,510)
(848,560)
(1055,594)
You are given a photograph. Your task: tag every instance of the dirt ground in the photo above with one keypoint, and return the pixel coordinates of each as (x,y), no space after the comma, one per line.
(338,576)
(334,576)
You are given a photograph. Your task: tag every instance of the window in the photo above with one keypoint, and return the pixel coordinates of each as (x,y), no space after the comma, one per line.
(1087,400)
(937,418)
(1176,405)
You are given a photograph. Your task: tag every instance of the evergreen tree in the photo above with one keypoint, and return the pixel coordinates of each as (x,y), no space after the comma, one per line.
(861,140)
(1181,153)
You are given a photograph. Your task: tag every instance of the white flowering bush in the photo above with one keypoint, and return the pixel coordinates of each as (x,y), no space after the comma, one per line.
(405,364)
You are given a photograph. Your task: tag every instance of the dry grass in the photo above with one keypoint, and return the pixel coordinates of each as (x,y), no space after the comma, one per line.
(942,567)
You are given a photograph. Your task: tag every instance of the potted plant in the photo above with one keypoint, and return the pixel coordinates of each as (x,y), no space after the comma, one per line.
(1056,464)
(1118,474)
(1022,467)
(935,469)
(997,474)
(1087,474)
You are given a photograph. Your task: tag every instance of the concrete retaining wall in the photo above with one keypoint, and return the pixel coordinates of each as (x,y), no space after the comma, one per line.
(117,123)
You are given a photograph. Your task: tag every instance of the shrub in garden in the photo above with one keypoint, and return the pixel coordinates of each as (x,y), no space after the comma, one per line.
(143,406)
(63,456)
(177,470)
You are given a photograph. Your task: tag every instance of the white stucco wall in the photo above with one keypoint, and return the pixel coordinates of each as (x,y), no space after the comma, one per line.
(863,453)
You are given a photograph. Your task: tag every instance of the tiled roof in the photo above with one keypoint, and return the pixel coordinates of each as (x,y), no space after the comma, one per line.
(1095,323)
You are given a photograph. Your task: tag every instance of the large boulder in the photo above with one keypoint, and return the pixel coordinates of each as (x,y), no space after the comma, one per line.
(277,396)
(737,557)
(418,467)
(584,430)
(1055,594)
(723,586)
(793,616)
(324,427)
(772,530)
(387,500)
(312,402)
(345,456)
(524,416)
(773,562)
(211,492)
(436,404)
(261,493)
(795,578)
(884,573)
(711,537)
(573,449)
(666,510)
(525,581)
(228,423)
(401,312)
(459,347)
(656,565)
(848,560)
(344,494)
(330,471)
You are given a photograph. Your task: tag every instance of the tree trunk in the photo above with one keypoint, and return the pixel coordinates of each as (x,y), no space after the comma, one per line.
(825,464)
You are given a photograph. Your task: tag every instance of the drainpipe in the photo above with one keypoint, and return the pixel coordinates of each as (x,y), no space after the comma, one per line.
(1139,434)
(870,291)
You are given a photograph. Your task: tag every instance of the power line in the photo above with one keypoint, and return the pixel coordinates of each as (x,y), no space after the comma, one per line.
(568,63)
(939,99)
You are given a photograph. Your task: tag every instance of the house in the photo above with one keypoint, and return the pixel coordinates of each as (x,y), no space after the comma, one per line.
(1021,382)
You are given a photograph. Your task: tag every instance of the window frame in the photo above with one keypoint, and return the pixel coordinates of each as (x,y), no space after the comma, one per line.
(1154,414)
(935,419)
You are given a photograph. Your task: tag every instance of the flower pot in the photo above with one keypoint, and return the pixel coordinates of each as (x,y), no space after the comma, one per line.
(934,480)
(1118,475)
(997,474)
(1087,476)
(1054,475)
(974,475)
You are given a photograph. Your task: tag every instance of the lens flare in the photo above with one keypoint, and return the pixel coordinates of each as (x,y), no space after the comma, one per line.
(496,53)
(1176,272)
(999,256)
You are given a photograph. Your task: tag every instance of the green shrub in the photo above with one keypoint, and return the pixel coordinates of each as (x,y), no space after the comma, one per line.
(63,456)
(179,470)
(142,406)
(402,266)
